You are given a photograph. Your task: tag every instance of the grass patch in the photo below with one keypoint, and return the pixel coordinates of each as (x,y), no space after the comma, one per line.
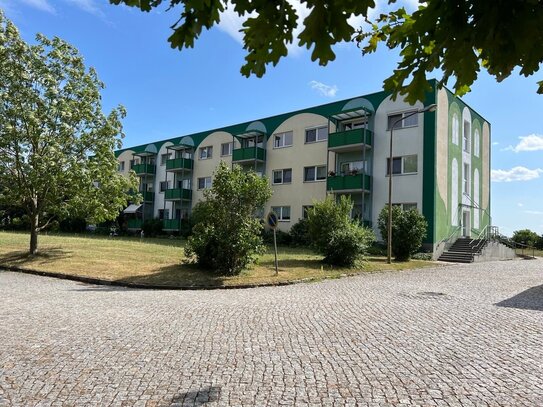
(160,261)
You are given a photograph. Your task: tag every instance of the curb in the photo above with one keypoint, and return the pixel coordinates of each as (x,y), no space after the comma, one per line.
(97,281)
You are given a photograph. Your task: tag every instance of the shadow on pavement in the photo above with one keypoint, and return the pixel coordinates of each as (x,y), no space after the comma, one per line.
(198,397)
(531,299)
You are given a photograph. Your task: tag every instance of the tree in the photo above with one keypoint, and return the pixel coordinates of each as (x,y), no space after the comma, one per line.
(226,237)
(408,231)
(458,37)
(56,146)
(525,236)
(334,234)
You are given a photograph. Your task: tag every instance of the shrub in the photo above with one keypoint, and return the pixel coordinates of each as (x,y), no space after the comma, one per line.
(408,231)
(152,227)
(299,233)
(525,236)
(226,236)
(347,244)
(283,238)
(334,234)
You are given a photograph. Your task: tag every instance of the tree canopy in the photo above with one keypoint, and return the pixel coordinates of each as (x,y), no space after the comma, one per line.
(56,145)
(457,37)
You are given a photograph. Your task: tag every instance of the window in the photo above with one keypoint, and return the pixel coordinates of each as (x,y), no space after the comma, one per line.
(410,121)
(403,165)
(316,173)
(406,206)
(132,163)
(466,179)
(282,139)
(206,152)
(455,126)
(226,149)
(353,167)
(204,183)
(316,134)
(476,143)
(164,185)
(163,214)
(305,210)
(356,124)
(283,212)
(164,158)
(467,131)
(184,184)
(250,142)
(282,176)
(120,168)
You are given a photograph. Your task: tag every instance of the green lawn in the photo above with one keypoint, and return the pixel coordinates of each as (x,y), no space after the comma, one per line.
(161,261)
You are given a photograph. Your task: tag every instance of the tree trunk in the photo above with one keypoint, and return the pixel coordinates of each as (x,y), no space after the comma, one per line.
(34,219)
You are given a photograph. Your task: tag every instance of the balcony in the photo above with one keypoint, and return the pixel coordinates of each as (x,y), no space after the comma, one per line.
(350,140)
(249,154)
(135,223)
(171,224)
(179,164)
(148,196)
(144,169)
(178,194)
(344,183)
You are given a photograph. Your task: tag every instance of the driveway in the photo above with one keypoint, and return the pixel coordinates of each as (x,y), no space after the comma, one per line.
(460,335)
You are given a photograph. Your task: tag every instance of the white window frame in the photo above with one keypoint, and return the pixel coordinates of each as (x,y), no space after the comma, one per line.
(358,123)
(403,172)
(207,183)
(165,157)
(279,210)
(466,136)
(230,148)
(305,209)
(120,167)
(316,167)
(167,183)
(360,166)
(282,171)
(282,137)
(401,124)
(316,128)
(206,153)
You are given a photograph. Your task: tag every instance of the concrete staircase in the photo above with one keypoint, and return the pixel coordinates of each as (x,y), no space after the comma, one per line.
(463,250)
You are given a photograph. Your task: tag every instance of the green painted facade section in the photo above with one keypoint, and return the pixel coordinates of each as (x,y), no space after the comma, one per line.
(270,123)
(429,164)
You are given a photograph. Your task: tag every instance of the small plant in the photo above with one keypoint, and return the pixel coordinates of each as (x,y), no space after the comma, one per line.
(299,233)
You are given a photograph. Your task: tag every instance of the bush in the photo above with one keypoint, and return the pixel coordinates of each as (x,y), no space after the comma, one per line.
(226,236)
(334,234)
(283,238)
(299,233)
(408,231)
(152,227)
(346,245)
(525,236)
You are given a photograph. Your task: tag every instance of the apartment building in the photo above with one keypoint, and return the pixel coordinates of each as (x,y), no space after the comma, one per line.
(440,163)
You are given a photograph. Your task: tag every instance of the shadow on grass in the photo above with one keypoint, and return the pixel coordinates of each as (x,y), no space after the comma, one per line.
(21,258)
(531,299)
(296,263)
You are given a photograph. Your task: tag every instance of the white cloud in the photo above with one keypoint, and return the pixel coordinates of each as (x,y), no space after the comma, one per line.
(515,174)
(323,89)
(42,5)
(520,204)
(534,212)
(495,143)
(88,6)
(532,142)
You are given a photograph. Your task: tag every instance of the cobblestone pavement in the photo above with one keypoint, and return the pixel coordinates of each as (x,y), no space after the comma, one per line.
(450,336)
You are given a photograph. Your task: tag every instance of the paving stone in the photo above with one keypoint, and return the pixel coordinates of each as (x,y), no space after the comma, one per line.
(381,339)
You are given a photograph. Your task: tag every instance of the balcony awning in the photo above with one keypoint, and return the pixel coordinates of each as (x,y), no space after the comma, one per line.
(150,150)
(352,114)
(132,208)
(250,134)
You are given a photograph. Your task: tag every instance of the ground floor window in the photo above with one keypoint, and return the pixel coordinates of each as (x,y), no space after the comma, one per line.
(283,212)
(204,183)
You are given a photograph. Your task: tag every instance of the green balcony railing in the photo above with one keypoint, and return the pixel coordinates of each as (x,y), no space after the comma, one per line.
(249,153)
(349,137)
(348,182)
(177,194)
(134,223)
(144,169)
(171,224)
(178,164)
(148,196)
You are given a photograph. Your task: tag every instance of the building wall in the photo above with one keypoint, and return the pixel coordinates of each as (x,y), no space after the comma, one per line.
(408,141)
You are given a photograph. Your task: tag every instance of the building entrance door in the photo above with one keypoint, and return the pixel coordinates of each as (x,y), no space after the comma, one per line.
(466,224)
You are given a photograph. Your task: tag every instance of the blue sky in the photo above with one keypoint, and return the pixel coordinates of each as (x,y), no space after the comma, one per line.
(169,93)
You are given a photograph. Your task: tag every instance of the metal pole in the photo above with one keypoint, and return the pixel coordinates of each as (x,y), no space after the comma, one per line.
(389,242)
(275,247)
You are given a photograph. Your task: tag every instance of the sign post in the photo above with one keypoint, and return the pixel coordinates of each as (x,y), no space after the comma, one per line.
(272,223)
